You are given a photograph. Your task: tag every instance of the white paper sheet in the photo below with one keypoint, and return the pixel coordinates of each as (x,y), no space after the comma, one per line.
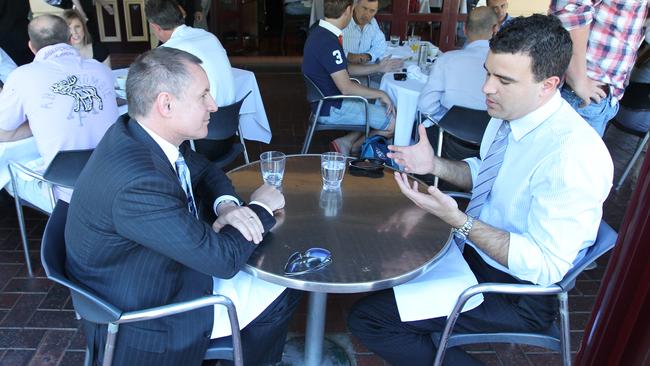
(434,293)
(250,296)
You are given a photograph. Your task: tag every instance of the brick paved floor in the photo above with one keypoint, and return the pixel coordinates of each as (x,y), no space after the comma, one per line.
(37,323)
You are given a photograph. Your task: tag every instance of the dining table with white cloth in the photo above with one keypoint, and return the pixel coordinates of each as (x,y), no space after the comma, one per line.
(252,115)
(404,94)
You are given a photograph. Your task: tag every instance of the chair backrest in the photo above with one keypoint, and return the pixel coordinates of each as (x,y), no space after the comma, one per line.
(224,123)
(465,123)
(637,97)
(53,255)
(66,167)
(313,92)
(605,240)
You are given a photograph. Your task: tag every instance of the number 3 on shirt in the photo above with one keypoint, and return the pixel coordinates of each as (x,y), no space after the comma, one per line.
(337,54)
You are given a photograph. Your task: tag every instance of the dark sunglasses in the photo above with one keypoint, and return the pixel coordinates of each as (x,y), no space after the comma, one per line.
(311,260)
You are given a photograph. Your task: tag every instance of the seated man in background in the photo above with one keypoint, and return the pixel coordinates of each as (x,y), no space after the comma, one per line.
(325,64)
(169,26)
(457,78)
(500,7)
(134,235)
(363,40)
(65,101)
(537,196)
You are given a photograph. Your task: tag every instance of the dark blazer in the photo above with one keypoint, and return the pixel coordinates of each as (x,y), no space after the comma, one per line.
(131,239)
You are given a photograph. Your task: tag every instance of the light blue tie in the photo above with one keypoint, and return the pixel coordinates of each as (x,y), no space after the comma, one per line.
(186,182)
(487,174)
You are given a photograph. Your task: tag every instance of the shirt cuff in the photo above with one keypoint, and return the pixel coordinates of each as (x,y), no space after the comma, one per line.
(222,199)
(267,208)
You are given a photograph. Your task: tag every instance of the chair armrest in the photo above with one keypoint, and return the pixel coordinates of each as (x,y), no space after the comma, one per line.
(354,97)
(176,308)
(355,80)
(18,167)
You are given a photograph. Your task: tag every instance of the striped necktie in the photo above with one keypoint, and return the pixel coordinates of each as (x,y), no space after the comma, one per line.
(186,182)
(487,174)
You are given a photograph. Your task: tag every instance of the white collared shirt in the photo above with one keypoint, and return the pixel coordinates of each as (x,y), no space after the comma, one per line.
(456,78)
(330,27)
(549,192)
(370,39)
(214,60)
(171,152)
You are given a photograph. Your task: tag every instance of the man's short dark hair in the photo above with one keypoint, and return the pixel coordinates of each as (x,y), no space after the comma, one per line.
(165,13)
(333,9)
(163,69)
(542,37)
(46,30)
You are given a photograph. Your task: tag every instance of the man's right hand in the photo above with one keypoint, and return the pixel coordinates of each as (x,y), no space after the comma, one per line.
(588,90)
(390,64)
(418,158)
(270,196)
(385,99)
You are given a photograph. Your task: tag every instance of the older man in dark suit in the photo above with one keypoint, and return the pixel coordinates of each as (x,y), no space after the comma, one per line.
(133,231)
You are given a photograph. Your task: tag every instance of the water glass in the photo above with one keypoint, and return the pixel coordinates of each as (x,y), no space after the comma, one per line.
(332,168)
(272,165)
(394,41)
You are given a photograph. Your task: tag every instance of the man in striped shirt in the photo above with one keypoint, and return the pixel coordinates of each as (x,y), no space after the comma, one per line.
(606,35)
(363,40)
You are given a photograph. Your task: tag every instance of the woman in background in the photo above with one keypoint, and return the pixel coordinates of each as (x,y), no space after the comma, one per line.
(81,39)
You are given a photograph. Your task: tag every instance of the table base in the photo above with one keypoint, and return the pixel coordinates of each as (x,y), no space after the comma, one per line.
(333,354)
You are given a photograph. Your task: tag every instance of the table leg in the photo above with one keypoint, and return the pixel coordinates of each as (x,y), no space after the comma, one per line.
(315,328)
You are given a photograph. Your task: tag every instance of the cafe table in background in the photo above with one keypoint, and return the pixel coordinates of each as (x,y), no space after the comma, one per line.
(252,115)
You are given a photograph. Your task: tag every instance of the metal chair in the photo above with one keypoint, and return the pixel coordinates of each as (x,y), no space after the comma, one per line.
(224,125)
(465,124)
(62,171)
(553,338)
(634,105)
(314,95)
(94,309)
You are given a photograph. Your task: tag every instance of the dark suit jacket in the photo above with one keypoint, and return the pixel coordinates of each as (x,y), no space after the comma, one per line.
(131,239)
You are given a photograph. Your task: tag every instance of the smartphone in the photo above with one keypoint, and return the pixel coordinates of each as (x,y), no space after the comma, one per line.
(399,76)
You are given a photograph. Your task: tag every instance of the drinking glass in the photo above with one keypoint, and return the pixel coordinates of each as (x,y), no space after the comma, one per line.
(272,165)
(394,41)
(414,43)
(332,168)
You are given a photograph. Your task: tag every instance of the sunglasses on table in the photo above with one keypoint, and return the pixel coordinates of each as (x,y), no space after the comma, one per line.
(311,260)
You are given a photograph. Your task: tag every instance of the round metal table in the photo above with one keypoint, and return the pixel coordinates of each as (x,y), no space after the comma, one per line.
(377,237)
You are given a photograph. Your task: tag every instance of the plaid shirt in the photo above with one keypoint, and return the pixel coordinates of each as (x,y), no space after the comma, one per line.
(615,35)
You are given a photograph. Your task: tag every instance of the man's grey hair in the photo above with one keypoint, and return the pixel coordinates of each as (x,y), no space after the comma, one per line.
(163,69)
(46,30)
(481,21)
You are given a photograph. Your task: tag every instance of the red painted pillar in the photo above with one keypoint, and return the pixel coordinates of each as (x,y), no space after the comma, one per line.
(618,332)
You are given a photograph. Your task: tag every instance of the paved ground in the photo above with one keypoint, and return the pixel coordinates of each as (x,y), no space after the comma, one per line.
(37,324)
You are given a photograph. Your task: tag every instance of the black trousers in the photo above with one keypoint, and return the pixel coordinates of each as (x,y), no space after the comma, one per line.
(376,322)
(263,339)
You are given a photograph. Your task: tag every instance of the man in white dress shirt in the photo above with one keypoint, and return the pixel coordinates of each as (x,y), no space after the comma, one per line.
(169,26)
(457,78)
(363,40)
(538,191)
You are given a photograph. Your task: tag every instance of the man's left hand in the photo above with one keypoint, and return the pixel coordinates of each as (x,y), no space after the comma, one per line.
(243,219)
(435,202)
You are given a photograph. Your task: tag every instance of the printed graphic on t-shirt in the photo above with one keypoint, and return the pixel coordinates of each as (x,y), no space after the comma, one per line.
(85,96)
(338,57)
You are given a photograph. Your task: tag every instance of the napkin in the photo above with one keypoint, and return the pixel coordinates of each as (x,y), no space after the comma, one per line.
(415,73)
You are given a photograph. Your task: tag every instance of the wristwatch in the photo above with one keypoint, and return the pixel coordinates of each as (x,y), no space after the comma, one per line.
(463,231)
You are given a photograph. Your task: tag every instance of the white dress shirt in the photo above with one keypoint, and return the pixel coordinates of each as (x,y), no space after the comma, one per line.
(456,78)
(370,39)
(7,65)
(207,47)
(549,192)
